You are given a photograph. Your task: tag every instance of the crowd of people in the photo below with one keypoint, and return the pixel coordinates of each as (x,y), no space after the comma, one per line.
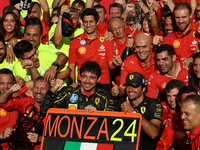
(87,70)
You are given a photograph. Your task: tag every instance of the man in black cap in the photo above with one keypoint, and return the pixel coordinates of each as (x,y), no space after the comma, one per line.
(150,109)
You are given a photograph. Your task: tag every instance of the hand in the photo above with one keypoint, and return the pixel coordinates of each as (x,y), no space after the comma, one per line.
(108,36)
(74,85)
(29,93)
(14,88)
(117,61)
(53,82)
(27,64)
(20,81)
(50,74)
(187,62)
(10,56)
(64,8)
(89,108)
(114,90)
(57,85)
(157,39)
(33,137)
(129,42)
(7,132)
(126,106)
(18,7)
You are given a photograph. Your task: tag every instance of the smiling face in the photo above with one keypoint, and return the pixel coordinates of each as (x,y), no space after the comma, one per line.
(190,116)
(33,35)
(182,19)
(168,25)
(134,93)
(6,82)
(171,97)
(89,80)
(9,23)
(196,67)
(89,24)
(39,90)
(165,62)
(145,26)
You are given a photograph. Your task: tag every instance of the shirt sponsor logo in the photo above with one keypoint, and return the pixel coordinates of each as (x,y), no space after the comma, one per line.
(194,43)
(2,112)
(102,54)
(82,42)
(82,50)
(180,134)
(101,48)
(72,106)
(143,110)
(73,98)
(176,43)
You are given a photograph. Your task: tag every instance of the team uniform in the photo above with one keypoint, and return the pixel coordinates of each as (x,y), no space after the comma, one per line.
(167,113)
(7,65)
(195,138)
(133,64)
(174,135)
(8,119)
(149,109)
(83,49)
(73,98)
(47,48)
(158,81)
(45,59)
(184,44)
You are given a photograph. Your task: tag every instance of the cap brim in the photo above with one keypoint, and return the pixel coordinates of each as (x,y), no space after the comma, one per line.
(133,85)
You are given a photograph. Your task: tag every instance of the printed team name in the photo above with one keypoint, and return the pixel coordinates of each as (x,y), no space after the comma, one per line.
(92,128)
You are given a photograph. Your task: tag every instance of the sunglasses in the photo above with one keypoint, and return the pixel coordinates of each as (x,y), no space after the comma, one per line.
(51,23)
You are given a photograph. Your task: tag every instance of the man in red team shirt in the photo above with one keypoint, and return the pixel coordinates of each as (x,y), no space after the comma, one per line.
(142,62)
(174,135)
(168,68)
(40,88)
(183,40)
(92,46)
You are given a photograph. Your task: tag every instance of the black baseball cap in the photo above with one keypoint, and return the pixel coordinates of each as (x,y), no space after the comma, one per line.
(135,79)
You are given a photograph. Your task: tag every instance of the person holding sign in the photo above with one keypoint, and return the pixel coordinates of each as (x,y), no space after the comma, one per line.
(150,109)
(85,96)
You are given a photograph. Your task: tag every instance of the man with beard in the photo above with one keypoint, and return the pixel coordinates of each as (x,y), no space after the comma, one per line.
(169,25)
(168,68)
(40,88)
(183,40)
(150,109)
(85,96)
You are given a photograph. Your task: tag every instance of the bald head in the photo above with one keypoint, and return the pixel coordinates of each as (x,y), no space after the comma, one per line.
(117,27)
(143,45)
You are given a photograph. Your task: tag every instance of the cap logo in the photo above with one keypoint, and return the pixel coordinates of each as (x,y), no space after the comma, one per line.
(131,77)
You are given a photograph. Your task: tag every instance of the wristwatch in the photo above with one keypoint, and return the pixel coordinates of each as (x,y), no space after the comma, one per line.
(56,64)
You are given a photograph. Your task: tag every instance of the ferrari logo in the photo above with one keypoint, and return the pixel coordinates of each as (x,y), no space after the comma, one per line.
(143,110)
(97,100)
(101,39)
(194,34)
(131,77)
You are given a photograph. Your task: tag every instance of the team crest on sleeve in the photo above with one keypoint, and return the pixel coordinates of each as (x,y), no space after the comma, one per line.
(82,50)
(97,100)
(82,42)
(73,98)
(101,39)
(143,109)
(72,106)
(176,43)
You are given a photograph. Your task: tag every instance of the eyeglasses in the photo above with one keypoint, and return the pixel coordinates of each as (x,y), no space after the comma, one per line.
(51,23)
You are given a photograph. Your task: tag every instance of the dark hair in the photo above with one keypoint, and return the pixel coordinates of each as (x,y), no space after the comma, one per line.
(174,84)
(6,71)
(116,5)
(2,39)
(32,5)
(73,9)
(17,30)
(195,99)
(100,6)
(185,89)
(80,2)
(90,11)
(91,66)
(57,9)
(195,80)
(10,8)
(22,47)
(34,21)
(182,5)
(41,78)
(166,47)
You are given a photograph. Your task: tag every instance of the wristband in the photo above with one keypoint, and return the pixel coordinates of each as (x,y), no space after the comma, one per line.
(152,14)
